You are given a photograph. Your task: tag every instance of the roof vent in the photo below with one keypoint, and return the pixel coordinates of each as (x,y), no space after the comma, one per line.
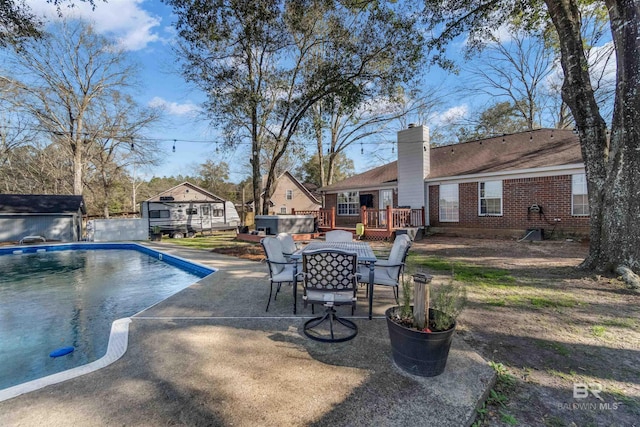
(411,125)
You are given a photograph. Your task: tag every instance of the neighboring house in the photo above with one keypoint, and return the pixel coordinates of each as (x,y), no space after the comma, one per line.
(503,185)
(291,195)
(186,209)
(54,217)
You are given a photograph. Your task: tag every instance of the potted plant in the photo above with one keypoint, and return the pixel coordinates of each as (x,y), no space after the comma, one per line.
(419,342)
(156,233)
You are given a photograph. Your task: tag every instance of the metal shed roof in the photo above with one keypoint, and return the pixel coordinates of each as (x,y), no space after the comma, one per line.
(40,203)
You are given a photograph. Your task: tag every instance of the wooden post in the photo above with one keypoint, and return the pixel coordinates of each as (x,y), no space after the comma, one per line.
(363,215)
(333,217)
(421,299)
(389,218)
(424,217)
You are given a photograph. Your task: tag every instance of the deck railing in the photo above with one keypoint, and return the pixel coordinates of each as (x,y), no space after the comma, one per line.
(325,217)
(388,218)
(392,218)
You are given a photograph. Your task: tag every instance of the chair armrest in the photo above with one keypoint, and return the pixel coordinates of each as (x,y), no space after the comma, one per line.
(277,262)
(390,265)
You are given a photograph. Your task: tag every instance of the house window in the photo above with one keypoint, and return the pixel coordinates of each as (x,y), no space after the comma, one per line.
(491,198)
(205,211)
(449,203)
(159,214)
(579,195)
(218,212)
(192,211)
(283,210)
(289,194)
(348,203)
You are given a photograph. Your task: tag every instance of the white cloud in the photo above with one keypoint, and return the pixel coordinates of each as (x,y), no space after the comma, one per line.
(173,108)
(453,114)
(124,20)
(602,64)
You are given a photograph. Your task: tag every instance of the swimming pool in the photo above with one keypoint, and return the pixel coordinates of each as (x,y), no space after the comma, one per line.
(53,296)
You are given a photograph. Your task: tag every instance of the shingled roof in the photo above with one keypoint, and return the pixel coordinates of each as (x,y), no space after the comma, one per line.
(385,174)
(524,150)
(40,203)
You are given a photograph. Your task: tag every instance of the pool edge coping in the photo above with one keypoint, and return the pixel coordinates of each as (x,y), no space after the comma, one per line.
(191,266)
(116,348)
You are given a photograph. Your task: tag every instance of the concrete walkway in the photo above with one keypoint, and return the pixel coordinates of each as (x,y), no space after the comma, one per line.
(210,355)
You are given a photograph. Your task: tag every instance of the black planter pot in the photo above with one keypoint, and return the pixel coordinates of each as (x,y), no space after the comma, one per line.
(416,352)
(155,237)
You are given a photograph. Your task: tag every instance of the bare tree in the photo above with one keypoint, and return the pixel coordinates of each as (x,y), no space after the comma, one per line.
(337,126)
(516,70)
(117,145)
(62,78)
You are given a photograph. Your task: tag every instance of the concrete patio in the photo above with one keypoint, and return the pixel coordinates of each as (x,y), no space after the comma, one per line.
(210,355)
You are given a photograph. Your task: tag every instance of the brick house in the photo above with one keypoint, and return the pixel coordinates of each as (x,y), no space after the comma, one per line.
(504,185)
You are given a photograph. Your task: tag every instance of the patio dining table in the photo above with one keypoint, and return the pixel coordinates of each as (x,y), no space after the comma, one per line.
(362,249)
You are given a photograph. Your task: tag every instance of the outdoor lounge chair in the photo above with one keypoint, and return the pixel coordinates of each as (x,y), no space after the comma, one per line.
(280,270)
(330,278)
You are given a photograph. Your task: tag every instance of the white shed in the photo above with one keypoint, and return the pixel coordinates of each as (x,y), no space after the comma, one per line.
(54,217)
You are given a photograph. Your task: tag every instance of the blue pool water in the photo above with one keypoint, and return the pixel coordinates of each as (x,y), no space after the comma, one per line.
(65,298)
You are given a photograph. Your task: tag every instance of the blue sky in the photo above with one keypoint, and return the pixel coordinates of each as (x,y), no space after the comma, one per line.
(144,28)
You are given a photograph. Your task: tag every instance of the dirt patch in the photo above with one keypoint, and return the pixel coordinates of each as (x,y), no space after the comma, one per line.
(555,328)
(252,252)
(558,330)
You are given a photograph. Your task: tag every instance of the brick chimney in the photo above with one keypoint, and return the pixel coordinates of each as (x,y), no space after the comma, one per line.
(413,165)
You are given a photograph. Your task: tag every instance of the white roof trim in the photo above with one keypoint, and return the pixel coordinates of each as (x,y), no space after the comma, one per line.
(391,185)
(569,169)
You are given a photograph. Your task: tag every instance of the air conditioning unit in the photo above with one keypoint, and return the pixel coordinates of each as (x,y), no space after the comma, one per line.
(534,234)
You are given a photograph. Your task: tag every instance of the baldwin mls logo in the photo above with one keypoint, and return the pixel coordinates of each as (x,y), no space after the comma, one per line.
(584,394)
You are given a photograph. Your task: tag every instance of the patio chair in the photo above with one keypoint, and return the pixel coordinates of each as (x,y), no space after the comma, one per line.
(280,270)
(288,245)
(330,278)
(387,272)
(338,236)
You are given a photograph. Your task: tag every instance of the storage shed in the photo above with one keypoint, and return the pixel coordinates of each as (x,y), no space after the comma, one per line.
(54,217)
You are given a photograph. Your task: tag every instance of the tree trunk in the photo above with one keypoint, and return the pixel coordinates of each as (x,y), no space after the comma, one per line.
(621,194)
(77,167)
(255,162)
(612,165)
(317,124)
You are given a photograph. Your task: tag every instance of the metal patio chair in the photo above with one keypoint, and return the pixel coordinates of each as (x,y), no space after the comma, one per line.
(330,278)
(280,270)
(288,245)
(338,236)
(387,272)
